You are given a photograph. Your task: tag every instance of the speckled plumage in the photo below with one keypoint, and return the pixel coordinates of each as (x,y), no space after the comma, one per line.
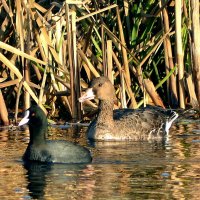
(125,124)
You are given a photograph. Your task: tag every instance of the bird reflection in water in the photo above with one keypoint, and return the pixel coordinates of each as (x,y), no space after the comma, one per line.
(39,175)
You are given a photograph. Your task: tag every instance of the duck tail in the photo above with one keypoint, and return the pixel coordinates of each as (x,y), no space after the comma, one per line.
(173,115)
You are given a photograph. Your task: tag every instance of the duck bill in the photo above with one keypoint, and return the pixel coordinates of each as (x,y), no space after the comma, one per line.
(25,120)
(89,94)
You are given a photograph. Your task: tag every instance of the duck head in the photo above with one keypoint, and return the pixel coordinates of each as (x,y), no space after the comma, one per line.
(100,88)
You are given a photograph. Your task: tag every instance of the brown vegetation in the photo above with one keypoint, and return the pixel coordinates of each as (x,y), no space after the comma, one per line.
(149,50)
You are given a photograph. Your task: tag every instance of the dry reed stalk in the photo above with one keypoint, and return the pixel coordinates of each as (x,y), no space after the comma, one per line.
(42,86)
(116,41)
(84,49)
(139,73)
(36,69)
(9,83)
(69,44)
(54,84)
(40,44)
(118,44)
(126,12)
(6,7)
(150,88)
(139,76)
(123,91)
(166,67)
(156,45)
(87,70)
(20,77)
(75,2)
(20,19)
(10,66)
(20,53)
(44,34)
(3,110)
(109,69)
(88,63)
(63,82)
(86,42)
(173,89)
(191,90)
(131,94)
(33,85)
(179,52)
(46,56)
(124,52)
(39,7)
(17,99)
(190,76)
(158,85)
(75,88)
(27,49)
(4,76)
(20,26)
(196,44)
(125,87)
(122,81)
(59,45)
(96,12)
(103,47)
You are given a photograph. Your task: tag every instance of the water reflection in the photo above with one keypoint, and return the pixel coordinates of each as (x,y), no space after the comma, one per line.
(36,179)
(40,174)
(147,171)
(120,170)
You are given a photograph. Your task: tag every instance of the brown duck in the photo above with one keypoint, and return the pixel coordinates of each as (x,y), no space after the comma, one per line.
(124,124)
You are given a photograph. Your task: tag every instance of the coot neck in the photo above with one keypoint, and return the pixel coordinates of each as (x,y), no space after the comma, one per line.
(37,133)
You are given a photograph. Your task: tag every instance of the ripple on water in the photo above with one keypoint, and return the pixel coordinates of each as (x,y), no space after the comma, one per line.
(120,170)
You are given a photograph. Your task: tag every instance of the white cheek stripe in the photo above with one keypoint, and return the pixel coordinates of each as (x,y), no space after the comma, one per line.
(25,119)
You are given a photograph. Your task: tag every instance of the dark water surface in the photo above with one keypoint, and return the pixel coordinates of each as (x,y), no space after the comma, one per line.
(120,170)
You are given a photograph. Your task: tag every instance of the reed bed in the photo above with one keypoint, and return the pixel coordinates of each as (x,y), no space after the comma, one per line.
(50,51)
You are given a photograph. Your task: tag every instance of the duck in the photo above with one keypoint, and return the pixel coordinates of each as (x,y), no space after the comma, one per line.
(40,149)
(143,124)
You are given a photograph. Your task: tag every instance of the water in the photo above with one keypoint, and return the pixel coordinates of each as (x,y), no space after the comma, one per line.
(120,170)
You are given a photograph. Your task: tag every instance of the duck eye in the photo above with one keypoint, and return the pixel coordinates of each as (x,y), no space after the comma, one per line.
(100,84)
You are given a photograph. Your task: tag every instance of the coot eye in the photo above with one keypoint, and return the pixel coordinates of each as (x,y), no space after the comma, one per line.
(33,114)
